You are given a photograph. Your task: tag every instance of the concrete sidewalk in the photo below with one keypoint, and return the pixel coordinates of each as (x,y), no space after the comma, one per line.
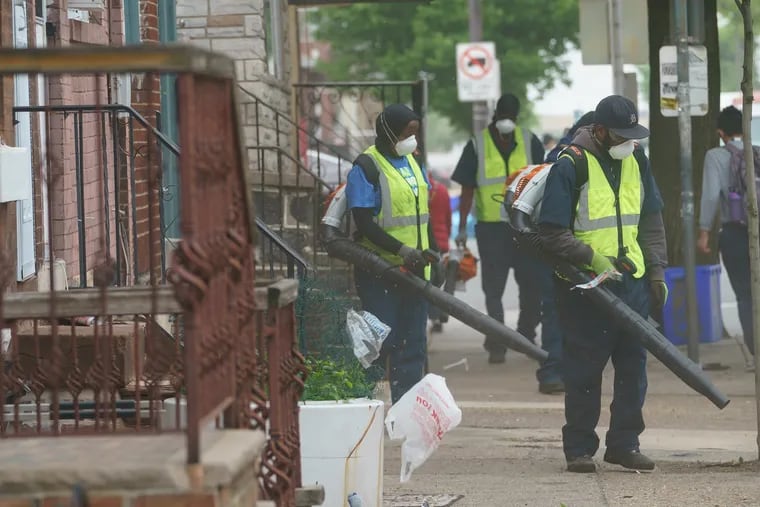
(508,451)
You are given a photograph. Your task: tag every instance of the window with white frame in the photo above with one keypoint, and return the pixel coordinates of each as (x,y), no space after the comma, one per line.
(273,37)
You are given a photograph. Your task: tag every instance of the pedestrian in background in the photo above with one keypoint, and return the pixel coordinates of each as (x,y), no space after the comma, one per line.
(440,223)
(724,195)
(500,150)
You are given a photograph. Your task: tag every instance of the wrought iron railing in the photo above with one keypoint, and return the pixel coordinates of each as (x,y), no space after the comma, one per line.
(105,359)
(342,114)
(111,131)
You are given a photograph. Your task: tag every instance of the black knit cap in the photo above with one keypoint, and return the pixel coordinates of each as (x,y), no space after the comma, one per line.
(619,114)
(508,105)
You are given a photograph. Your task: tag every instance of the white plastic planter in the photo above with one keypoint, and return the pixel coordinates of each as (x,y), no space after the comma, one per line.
(342,449)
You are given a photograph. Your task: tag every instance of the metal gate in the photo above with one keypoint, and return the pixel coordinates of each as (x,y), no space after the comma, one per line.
(342,114)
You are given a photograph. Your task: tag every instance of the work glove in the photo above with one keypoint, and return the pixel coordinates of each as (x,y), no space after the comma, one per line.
(602,264)
(413,258)
(461,238)
(658,294)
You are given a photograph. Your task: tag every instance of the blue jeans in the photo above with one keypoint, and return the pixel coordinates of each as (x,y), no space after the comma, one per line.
(406,313)
(734,250)
(551,331)
(590,340)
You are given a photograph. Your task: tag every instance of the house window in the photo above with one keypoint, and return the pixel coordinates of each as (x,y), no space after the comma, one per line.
(39,8)
(273,37)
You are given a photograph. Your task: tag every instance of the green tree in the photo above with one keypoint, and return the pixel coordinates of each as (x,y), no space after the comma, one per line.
(731,38)
(396,41)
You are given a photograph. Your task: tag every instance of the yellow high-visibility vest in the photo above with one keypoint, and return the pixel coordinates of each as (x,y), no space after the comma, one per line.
(402,214)
(493,171)
(596,216)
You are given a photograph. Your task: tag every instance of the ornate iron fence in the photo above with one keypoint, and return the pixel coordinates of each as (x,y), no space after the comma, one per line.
(107,359)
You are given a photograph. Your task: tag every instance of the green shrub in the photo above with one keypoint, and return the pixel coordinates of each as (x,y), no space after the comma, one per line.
(331,380)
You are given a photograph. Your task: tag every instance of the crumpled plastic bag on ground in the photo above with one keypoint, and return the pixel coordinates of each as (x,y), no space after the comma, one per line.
(422,416)
(367,334)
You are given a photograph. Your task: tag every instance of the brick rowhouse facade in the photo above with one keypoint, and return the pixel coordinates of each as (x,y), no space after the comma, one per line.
(146,100)
(7,210)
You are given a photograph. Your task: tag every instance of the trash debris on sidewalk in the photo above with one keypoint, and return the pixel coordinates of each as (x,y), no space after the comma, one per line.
(367,334)
(421,417)
(461,362)
(415,500)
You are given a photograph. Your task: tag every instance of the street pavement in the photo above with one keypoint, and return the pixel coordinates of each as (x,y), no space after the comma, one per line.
(507,450)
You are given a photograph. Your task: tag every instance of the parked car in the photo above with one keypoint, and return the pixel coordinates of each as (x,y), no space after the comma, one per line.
(330,168)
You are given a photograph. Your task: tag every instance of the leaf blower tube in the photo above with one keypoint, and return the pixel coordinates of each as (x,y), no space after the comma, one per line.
(340,247)
(630,321)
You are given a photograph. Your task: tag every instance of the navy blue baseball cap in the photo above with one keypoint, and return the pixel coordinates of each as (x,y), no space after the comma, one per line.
(619,114)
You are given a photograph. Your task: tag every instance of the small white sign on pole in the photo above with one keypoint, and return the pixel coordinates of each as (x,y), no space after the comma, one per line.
(698,96)
(478,72)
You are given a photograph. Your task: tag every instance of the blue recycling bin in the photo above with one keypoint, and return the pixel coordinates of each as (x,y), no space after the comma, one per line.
(675,324)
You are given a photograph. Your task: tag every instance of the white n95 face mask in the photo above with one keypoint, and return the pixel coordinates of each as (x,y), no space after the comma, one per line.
(622,150)
(406,146)
(505,126)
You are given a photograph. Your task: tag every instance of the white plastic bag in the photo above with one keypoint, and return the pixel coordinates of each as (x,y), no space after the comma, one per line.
(422,416)
(367,335)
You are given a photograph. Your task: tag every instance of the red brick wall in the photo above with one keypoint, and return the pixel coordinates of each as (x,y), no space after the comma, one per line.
(146,100)
(82,90)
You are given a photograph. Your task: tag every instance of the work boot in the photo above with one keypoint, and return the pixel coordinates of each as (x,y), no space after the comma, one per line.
(437,327)
(633,460)
(551,387)
(581,464)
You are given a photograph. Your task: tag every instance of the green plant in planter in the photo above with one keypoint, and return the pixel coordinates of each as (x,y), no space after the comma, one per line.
(331,380)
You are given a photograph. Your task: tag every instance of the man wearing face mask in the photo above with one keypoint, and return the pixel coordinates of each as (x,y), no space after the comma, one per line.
(602,211)
(500,150)
(387,194)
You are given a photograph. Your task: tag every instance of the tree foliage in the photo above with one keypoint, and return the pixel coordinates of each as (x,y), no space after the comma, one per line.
(396,41)
(731,37)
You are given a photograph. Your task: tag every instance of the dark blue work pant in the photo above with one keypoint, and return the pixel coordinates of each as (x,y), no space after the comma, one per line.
(551,331)
(498,254)
(590,340)
(734,249)
(405,348)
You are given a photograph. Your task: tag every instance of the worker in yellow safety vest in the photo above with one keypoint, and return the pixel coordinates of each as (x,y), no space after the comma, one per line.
(602,210)
(387,193)
(500,150)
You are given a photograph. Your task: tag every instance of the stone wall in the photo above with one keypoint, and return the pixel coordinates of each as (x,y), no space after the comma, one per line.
(238,28)
(133,471)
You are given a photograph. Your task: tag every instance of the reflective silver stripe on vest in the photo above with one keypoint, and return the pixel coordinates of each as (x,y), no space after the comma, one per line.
(480,151)
(388,220)
(585,224)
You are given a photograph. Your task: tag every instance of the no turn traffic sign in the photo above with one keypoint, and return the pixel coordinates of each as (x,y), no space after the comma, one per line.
(476,62)
(478,72)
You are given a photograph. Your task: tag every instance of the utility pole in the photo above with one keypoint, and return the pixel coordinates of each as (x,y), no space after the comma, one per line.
(479,109)
(615,16)
(680,14)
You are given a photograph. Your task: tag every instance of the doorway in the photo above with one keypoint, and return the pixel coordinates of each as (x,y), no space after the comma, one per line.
(25,265)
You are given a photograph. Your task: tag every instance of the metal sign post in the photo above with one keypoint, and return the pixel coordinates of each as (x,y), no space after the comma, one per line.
(687,190)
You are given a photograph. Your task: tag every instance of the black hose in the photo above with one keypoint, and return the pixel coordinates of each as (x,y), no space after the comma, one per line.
(631,322)
(343,248)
